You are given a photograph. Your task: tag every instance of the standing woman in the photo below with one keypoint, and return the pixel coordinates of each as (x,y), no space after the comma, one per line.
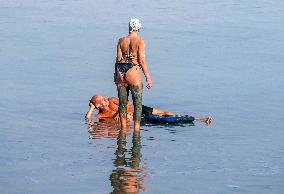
(130,59)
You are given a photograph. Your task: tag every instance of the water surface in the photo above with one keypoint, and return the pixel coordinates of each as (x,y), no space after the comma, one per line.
(217,57)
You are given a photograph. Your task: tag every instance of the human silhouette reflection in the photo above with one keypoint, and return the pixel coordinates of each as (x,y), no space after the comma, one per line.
(128,177)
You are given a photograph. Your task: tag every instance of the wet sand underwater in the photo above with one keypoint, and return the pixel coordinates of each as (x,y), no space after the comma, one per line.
(219,58)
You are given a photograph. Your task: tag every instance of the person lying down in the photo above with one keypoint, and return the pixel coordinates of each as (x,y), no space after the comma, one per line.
(108,108)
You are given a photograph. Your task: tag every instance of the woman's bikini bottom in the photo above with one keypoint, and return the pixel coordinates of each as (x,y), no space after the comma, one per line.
(124,67)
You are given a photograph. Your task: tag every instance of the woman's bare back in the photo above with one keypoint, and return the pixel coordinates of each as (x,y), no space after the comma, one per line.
(128,50)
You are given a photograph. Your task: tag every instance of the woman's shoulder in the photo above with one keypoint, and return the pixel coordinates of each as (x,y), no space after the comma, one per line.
(123,38)
(127,38)
(113,99)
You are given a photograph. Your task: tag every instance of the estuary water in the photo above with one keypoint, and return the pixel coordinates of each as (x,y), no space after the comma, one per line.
(222,58)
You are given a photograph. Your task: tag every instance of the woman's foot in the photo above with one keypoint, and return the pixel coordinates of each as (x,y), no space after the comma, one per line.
(209,120)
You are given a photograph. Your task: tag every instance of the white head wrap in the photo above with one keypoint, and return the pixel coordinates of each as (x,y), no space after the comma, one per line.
(134,25)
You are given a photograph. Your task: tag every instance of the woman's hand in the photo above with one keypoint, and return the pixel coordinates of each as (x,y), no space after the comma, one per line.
(91,105)
(149,83)
(91,109)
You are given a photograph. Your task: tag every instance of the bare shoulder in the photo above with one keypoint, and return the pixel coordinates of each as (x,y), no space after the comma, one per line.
(113,100)
(120,40)
(141,42)
(123,39)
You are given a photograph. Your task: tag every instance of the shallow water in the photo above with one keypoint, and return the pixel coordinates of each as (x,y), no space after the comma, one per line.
(217,57)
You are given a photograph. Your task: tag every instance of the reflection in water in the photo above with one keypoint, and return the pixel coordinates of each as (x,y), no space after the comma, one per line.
(109,127)
(128,177)
(104,128)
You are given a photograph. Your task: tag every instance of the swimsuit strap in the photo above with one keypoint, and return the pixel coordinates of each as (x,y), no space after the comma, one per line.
(129,57)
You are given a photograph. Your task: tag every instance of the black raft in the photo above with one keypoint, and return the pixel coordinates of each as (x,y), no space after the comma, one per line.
(169,119)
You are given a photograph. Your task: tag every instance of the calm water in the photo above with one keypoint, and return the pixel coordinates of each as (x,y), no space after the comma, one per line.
(217,57)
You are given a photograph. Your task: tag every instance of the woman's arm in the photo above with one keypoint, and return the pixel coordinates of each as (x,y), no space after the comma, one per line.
(118,52)
(142,62)
(90,111)
(117,60)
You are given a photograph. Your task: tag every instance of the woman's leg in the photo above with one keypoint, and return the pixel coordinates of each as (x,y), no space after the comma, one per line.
(123,91)
(136,92)
(207,120)
(134,80)
(161,112)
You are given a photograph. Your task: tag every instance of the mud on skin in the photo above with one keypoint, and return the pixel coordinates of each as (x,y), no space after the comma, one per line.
(123,92)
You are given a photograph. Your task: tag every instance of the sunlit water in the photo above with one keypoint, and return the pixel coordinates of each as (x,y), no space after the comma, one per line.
(217,57)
